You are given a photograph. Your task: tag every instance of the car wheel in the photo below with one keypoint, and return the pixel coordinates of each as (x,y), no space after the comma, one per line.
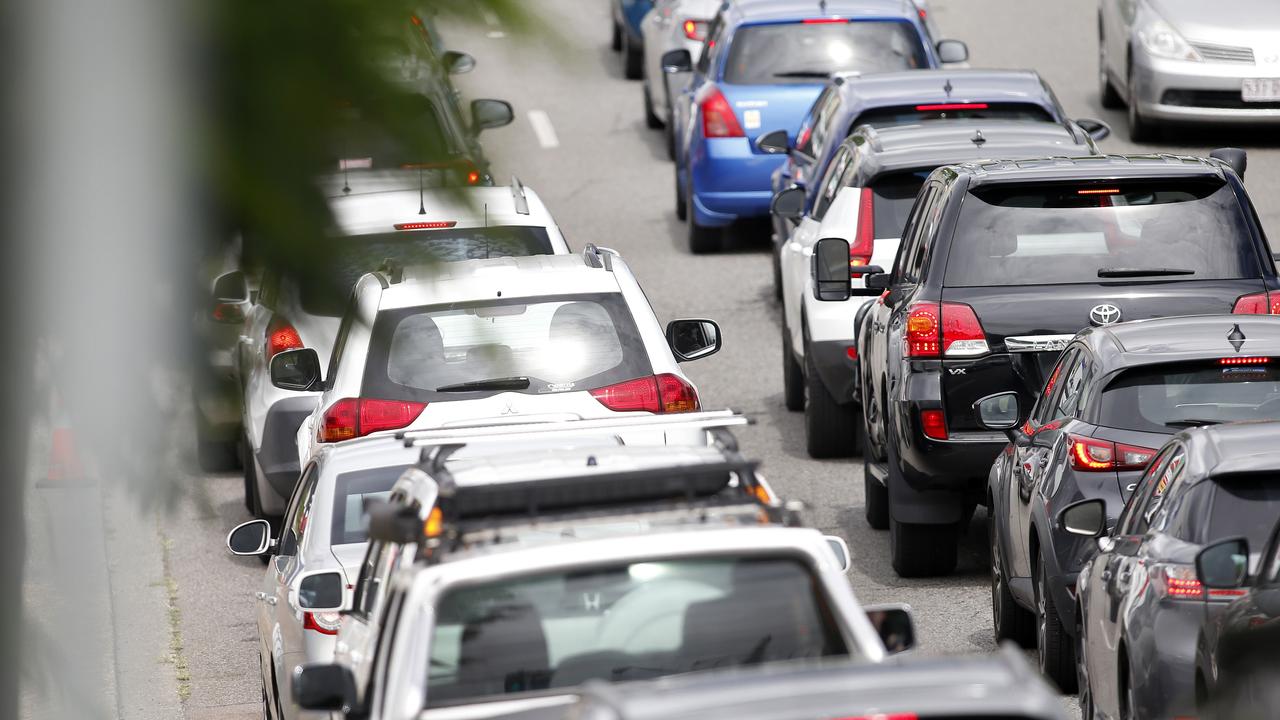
(651,120)
(877,498)
(1056,653)
(917,550)
(1128,693)
(792,375)
(252,502)
(682,206)
(669,132)
(615,42)
(1140,128)
(1107,93)
(632,59)
(830,429)
(1087,709)
(702,239)
(1010,620)
(777,270)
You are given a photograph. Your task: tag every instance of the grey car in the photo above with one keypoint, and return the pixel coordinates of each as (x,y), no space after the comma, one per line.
(1189,60)
(1142,604)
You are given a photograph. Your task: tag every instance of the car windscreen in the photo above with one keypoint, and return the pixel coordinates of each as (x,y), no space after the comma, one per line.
(550,344)
(1167,398)
(625,622)
(776,53)
(1059,233)
(363,142)
(911,114)
(892,196)
(351,491)
(1244,505)
(348,258)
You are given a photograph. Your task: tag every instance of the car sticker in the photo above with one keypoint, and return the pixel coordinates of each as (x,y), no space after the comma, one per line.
(751,119)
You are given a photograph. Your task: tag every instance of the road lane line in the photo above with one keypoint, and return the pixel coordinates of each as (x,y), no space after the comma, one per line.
(543,128)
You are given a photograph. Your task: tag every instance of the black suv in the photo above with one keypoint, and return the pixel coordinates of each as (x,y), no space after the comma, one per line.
(1001,263)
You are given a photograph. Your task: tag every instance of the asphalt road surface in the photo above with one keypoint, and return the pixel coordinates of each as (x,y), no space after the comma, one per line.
(606,179)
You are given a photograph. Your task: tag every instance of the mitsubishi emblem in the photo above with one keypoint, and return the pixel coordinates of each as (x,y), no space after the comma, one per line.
(1236,337)
(1105,314)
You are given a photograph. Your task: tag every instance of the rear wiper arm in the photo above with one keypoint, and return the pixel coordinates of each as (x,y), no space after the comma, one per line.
(506,383)
(1192,422)
(1122,272)
(803,74)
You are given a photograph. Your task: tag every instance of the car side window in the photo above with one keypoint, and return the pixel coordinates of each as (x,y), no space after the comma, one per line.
(1068,402)
(927,227)
(340,341)
(1132,514)
(299,513)
(270,289)
(804,137)
(830,183)
(1043,412)
(1161,484)
(904,270)
(1271,568)
(823,122)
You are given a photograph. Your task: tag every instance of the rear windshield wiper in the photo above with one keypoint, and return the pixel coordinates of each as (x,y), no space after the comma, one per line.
(1121,272)
(1192,422)
(506,383)
(803,74)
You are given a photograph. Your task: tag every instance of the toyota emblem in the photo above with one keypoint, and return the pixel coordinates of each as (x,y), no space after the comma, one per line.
(1105,314)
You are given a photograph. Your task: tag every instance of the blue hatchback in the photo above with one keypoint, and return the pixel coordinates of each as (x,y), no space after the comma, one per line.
(765,63)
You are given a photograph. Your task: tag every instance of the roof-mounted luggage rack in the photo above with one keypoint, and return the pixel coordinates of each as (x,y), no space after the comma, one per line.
(599,257)
(393,270)
(517,193)
(709,420)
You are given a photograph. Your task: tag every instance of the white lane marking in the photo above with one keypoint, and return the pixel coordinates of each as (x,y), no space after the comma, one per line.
(491,19)
(543,128)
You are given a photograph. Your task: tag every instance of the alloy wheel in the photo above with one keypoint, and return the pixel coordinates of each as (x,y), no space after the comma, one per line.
(1042,623)
(997,577)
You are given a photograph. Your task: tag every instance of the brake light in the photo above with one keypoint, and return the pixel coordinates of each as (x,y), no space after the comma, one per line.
(325,623)
(823,21)
(1257,304)
(962,334)
(1093,455)
(663,393)
(436,225)
(922,330)
(473,177)
(864,242)
(883,716)
(1099,191)
(1244,361)
(718,120)
(942,107)
(695,29)
(281,336)
(934,424)
(356,417)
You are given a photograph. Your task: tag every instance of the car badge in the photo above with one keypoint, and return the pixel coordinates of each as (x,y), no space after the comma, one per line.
(1236,337)
(1105,314)
(509,410)
(947,89)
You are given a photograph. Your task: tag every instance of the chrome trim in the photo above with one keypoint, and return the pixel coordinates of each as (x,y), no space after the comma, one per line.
(975,437)
(1037,343)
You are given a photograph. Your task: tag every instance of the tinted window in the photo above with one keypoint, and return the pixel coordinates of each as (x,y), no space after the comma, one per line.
(1133,510)
(362,143)
(1047,403)
(809,53)
(883,117)
(351,490)
(1247,505)
(1056,233)
(625,622)
(570,343)
(831,182)
(805,141)
(892,197)
(1167,398)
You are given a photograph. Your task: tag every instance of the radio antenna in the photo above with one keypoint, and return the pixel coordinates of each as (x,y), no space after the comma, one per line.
(422,208)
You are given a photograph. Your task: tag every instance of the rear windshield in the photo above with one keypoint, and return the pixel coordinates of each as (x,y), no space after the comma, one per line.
(811,52)
(625,622)
(1075,233)
(1245,505)
(882,117)
(350,257)
(362,143)
(558,344)
(1168,398)
(351,491)
(892,197)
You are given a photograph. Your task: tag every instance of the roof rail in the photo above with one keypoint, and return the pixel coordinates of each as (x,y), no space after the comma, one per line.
(517,192)
(393,269)
(708,420)
(599,257)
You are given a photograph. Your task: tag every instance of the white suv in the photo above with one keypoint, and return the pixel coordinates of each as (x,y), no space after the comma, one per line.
(379,216)
(485,342)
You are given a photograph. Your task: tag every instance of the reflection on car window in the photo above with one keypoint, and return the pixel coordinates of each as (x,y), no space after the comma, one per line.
(351,491)
(1164,398)
(808,53)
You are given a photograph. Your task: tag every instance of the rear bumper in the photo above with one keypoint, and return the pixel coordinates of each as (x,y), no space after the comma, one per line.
(278,454)
(837,371)
(730,180)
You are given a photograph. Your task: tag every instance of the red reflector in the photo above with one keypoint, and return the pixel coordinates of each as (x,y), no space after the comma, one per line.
(356,417)
(664,393)
(851,352)
(426,225)
(1257,304)
(281,336)
(939,107)
(934,424)
(1098,191)
(883,716)
(718,118)
(473,177)
(1244,361)
(824,21)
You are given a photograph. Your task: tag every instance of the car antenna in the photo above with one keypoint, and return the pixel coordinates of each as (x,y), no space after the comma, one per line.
(422,208)
(346,182)
(977,138)
(1236,337)
(486,214)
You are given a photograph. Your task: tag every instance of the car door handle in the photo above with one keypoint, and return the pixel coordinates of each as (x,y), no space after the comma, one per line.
(1106,575)
(270,599)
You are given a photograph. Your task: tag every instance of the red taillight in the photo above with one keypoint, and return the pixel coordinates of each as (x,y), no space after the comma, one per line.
(1244,361)
(695,29)
(228,313)
(851,352)
(943,107)
(326,623)
(436,225)
(718,120)
(934,424)
(1099,191)
(659,394)
(1178,582)
(823,21)
(1132,457)
(864,240)
(356,417)
(922,331)
(473,177)
(1258,304)
(281,336)
(883,716)
(1093,455)
(950,329)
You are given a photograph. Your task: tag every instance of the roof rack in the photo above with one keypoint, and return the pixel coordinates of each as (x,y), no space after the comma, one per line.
(709,420)
(517,192)
(393,269)
(599,257)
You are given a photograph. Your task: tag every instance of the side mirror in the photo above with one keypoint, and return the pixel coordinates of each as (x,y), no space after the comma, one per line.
(788,203)
(297,370)
(230,295)
(328,686)
(773,143)
(999,411)
(830,268)
(1087,518)
(1096,129)
(693,339)
(1235,157)
(894,625)
(877,280)
(677,61)
(841,550)
(250,539)
(1224,565)
(952,51)
(393,523)
(322,591)
(486,114)
(458,63)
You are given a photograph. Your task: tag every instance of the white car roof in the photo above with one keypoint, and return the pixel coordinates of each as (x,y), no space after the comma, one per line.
(508,277)
(397,200)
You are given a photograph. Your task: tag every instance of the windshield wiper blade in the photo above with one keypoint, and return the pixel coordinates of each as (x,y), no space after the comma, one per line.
(803,74)
(1121,272)
(1192,422)
(506,383)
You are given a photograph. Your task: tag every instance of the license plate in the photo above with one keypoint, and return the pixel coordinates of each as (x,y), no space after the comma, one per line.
(1260,90)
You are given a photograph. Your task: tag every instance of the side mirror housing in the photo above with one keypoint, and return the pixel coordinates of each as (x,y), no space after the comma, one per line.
(1235,157)
(230,295)
(330,687)
(841,550)
(693,339)
(487,114)
(830,268)
(677,61)
(952,51)
(999,412)
(297,370)
(894,625)
(1096,129)
(1224,565)
(876,281)
(250,539)
(393,523)
(788,203)
(322,591)
(1087,518)
(458,63)
(773,143)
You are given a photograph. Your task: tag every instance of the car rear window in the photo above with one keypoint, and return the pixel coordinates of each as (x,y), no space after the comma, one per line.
(351,491)
(780,53)
(1057,233)
(625,622)
(892,197)
(347,258)
(902,115)
(560,344)
(1168,398)
(1245,505)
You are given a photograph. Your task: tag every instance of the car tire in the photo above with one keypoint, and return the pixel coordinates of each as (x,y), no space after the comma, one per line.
(917,550)
(1141,130)
(651,120)
(877,498)
(830,429)
(792,375)
(682,205)
(702,240)
(632,59)
(252,502)
(669,132)
(777,271)
(1107,93)
(615,42)
(1055,652)
(1010,620)
(1084,687)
